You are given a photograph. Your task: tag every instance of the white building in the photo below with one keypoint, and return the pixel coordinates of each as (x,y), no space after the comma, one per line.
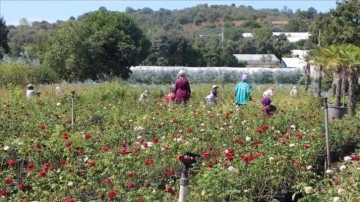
(291,36)
(258,60)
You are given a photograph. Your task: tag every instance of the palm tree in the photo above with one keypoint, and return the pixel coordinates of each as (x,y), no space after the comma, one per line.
(336,63)
(351,55)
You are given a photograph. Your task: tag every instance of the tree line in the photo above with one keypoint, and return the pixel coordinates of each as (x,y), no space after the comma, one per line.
(106,43)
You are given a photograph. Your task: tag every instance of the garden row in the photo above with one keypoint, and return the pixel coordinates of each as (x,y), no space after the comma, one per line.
(122,149)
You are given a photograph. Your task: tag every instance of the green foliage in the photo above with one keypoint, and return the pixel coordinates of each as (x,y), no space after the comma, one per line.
(339,26)
(101,43)
(23,74)
(16,74)
(161,75)
(4,46)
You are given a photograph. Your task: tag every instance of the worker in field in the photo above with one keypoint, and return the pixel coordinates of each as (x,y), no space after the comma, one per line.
(30,92)
(182,88)
(243,91)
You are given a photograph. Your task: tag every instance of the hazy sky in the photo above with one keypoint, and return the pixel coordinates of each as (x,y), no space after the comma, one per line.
(14,10)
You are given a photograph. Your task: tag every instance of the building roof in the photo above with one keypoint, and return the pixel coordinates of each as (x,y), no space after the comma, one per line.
(291,36)
(294,62)
(255,57)
(299,53)
(278,22)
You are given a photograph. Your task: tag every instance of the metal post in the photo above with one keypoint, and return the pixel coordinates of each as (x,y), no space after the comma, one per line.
(72,107)
(327,134)
(184,182)
(187,159)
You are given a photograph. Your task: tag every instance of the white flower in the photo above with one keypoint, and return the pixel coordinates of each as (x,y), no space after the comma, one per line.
(180,131)
(130,120)
(70,184)
(202,130)
(137,128)
(150,144)
(230,127)
(243,122)
(329,171)
(271,158)
(293,126)
(6,148)
(86,159)
(140,137)
(341,192)
(342,167)
(202,124)
(20,143)
(232,169)
(58,104)
(308,189)
(336,199)
(143,147)
(291,145)
(248,139)
(347,158)
(309,167)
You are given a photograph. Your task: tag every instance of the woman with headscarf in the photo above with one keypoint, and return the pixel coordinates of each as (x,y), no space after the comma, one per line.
(182,88)
(243,91)
(268,108)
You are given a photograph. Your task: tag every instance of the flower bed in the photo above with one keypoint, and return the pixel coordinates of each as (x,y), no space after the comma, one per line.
(125,150)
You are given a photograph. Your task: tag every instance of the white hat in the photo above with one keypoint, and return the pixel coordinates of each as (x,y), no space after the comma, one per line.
(215,86)
(244,77)
(182,73)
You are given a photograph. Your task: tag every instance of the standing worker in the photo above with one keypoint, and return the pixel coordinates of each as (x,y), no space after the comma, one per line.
(182,88)
(243,91)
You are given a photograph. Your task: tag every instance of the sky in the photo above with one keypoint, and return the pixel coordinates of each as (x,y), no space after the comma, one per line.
(52,10)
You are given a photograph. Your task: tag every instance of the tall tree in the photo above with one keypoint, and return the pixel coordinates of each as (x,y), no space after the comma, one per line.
(4,47)
(340,25)
(101,43)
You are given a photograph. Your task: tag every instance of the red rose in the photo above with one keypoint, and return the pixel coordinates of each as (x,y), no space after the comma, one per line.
(131,185)
(4,192)
(65,136)
(11,163)
(130,174)
(21,186)
(42,127)
(8,180)
(206,155)
(42,173)
(91,163)
(107,181)
(63,162)
(112,194)
(69,200)
(30,166)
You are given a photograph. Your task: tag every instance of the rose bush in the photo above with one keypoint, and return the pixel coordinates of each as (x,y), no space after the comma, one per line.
(122,149)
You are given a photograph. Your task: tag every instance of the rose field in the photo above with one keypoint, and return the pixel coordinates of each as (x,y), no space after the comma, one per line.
(121,149)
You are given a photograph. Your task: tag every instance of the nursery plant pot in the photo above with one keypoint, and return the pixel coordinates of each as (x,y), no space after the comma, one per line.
(336,112)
